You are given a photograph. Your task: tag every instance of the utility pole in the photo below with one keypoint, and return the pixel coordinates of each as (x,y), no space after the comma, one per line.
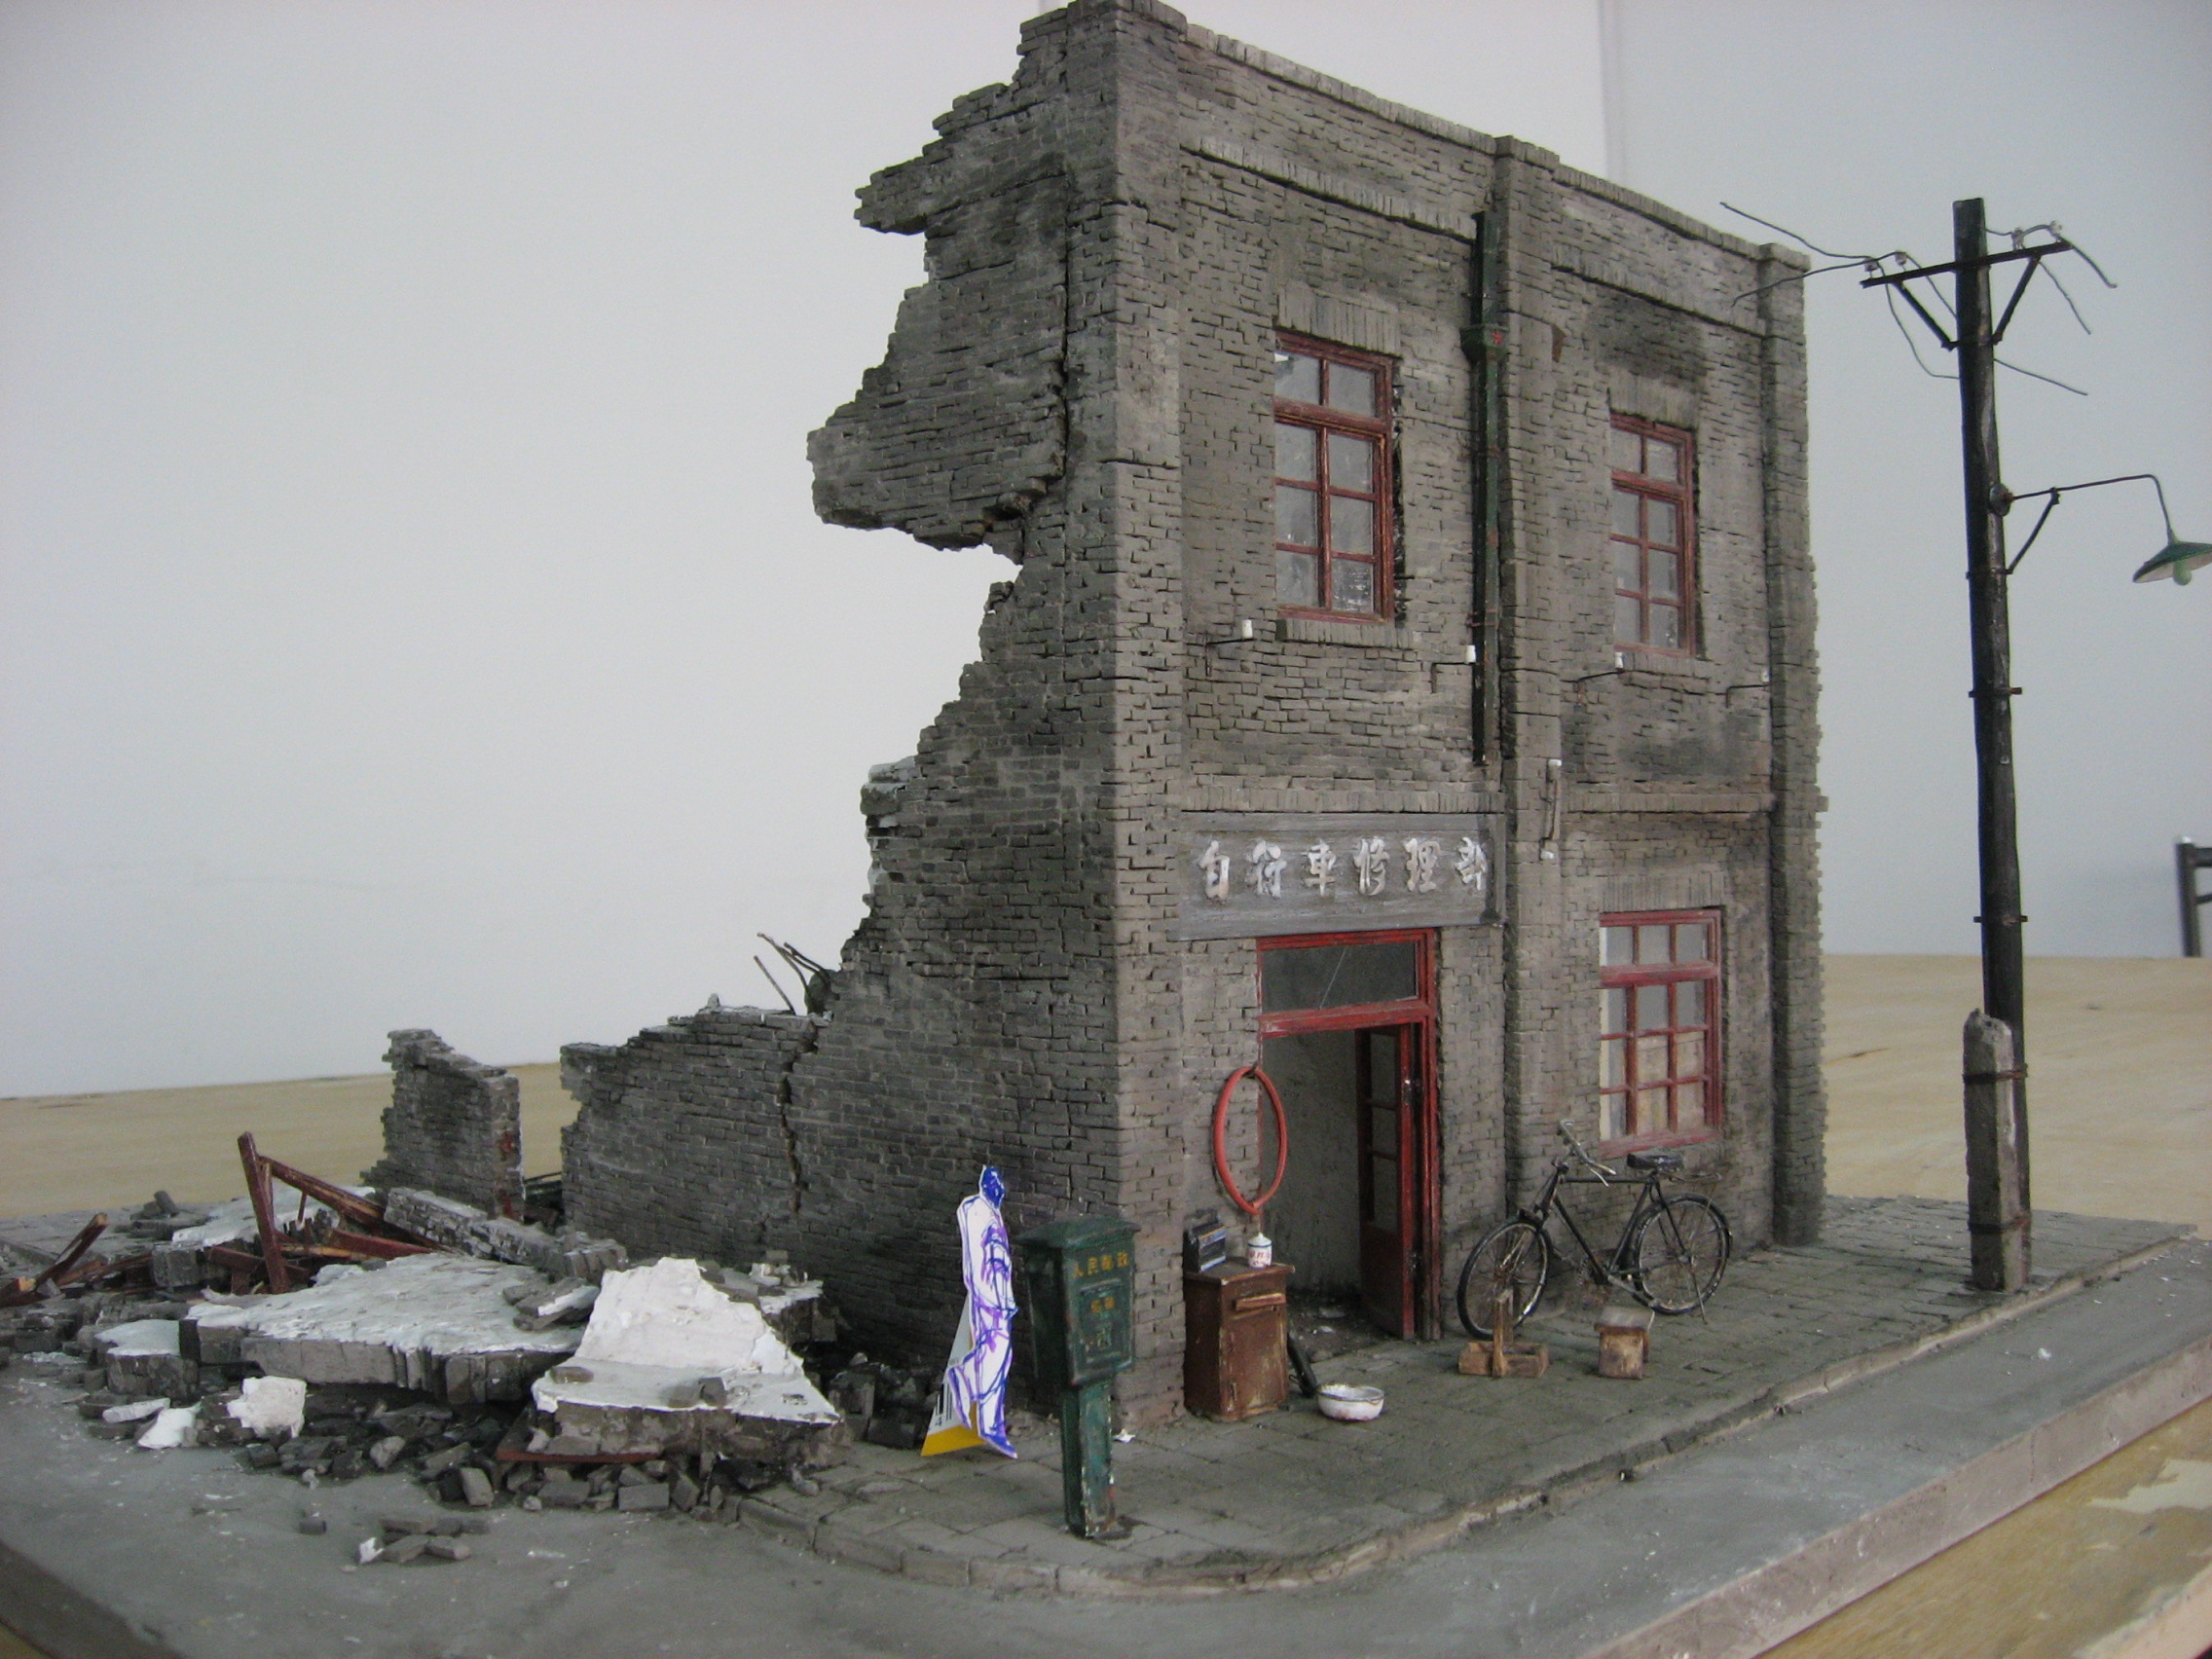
(1997,1174)
(2003,989)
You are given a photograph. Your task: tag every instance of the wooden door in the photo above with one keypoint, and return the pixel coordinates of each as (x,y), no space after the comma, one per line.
(1390,1075)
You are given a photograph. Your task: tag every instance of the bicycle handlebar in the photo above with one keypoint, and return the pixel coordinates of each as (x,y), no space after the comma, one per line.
(1581,1152)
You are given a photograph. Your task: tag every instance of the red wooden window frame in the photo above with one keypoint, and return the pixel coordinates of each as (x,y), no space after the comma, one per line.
(1338,567)
(1638,552)
(1687,1031)
(1420,1005)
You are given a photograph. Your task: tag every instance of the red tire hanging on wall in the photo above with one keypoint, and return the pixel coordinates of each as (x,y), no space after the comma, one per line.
(1220,1169)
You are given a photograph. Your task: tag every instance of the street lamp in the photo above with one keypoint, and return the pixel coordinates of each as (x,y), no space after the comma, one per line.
(2176,560)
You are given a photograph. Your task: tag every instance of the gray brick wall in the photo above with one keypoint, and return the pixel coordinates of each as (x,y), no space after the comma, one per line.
(1083,383)
(454,1127)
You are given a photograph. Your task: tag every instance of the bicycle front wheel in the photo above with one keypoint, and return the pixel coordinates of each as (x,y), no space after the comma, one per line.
(1681,1250)
(1516,1254)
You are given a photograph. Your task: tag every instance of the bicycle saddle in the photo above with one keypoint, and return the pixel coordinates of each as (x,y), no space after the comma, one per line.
(1654,1162)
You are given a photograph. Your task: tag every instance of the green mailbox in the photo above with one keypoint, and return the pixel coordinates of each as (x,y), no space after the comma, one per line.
(1082,1283)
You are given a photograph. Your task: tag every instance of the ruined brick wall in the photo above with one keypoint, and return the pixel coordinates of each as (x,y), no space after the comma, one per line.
(1113,241)
(680,1144)
(454,1127)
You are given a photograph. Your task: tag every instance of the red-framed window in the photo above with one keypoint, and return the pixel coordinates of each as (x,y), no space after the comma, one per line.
(1653,541)
(1322,981)
(1333,521)
(1659,1027)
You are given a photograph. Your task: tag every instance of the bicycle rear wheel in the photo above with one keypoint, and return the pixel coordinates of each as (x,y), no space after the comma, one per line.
(1680,1251)
(1517,1254)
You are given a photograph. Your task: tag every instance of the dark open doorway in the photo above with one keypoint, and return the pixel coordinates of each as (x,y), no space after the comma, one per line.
(1348,1033)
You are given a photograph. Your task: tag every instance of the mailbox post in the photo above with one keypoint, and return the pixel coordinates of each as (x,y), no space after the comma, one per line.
(1082,1284)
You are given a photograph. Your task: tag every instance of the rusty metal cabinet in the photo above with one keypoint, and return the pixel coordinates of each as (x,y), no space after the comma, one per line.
(1235,1361)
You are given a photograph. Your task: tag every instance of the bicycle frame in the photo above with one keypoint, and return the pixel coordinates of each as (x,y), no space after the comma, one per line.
(1613,1267)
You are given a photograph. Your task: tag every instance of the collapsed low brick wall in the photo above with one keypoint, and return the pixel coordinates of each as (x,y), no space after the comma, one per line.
(682,1144)
(454,1127)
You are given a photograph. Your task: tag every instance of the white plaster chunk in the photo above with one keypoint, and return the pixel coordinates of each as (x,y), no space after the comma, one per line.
(135,1412)
(171,1427)
(410,1325)
(271,1406)
(657,1331)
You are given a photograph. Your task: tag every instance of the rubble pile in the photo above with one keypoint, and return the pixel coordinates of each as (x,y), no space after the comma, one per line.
(342,1333)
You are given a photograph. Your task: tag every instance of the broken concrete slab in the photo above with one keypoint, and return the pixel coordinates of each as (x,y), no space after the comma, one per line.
(437,1324)
(143,1358)
(657,1335)
(471,1232)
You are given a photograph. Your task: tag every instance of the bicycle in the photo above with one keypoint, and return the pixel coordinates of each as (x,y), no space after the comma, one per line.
(1670,1255)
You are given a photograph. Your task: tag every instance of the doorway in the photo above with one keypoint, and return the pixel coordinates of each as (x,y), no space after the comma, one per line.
(1348,1033)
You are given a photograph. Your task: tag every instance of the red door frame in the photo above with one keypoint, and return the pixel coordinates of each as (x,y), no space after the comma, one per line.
(1420,1012)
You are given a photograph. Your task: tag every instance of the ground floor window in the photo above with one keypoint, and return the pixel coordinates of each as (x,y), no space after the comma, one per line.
(1659,978)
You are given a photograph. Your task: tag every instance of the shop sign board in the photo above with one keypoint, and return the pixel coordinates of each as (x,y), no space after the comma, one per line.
(1244,875)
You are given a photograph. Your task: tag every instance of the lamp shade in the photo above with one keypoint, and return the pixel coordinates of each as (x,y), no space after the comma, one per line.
(2177,560)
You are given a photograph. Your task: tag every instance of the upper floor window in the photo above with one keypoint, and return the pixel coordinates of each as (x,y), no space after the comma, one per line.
(1654,589)
(1333,529)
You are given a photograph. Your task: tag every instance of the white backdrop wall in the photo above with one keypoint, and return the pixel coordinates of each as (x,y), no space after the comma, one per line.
(1858,123)
(411,611)
(411,608)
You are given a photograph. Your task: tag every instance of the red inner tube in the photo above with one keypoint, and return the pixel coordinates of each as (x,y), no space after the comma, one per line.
(1250,1206)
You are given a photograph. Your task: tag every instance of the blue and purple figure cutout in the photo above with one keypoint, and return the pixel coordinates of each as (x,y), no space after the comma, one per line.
(970,1408)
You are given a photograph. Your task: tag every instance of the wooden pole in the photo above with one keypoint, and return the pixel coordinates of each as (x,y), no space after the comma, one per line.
(2004,987)
(1997,1181)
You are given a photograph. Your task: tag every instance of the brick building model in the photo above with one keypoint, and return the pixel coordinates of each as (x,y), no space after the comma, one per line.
(1406,684)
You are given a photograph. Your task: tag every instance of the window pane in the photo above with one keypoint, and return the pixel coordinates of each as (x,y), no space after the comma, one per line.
(1652,945)
(1297,377)
(1353,585)
(1625,519)
(1616,947)
(1662,523)
(1615,1010)
(1651,1010)
(1651,1059)
(1665,627)
(1689,1106)
(1352,462)
(1627,619)
(1294,451)
(1628,565)
(1610,1115)
(1690,942)
(1664,566)
(1382,1132)
(1386,1217)
(1650,1111)
(1351,525)
(1339,975)
(1690,1003)
(1298,579)
(1628,452)
(1351,389)
(1297,516)
(1612,1064)
(1663,459)
(1383,1067)
(1690,1054)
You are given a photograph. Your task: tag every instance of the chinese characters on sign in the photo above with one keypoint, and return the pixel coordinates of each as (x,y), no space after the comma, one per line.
(1418,864)
(1245,875)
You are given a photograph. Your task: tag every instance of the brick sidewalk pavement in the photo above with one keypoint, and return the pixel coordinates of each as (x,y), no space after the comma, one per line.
(1293,1499)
